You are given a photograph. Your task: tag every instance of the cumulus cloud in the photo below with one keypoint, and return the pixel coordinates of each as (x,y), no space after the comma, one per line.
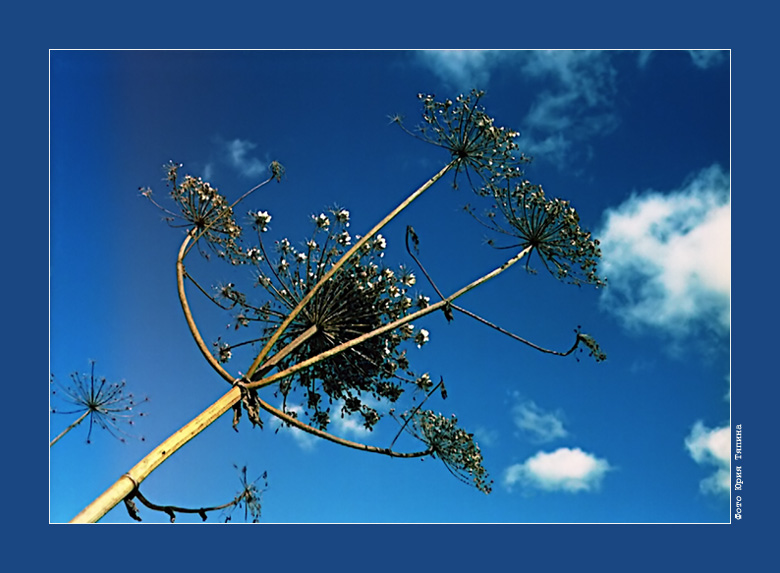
(712,447)
(667,256)
(238,153)
(538,424)
(565,469)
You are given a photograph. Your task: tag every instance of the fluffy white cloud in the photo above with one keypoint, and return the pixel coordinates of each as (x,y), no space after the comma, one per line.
(540,425)
(667,256)
(711,447)
(238,154)
(564,469)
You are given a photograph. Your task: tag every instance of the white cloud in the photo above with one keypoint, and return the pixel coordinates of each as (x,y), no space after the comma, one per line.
(564,469)
(462,69)
(712,447)
(304,440)
(238,154)
(574,93)
(707,58)
(540,425)
(667,256)
(349,425)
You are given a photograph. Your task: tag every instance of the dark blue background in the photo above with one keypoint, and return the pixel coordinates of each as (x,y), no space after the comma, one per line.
(28,38)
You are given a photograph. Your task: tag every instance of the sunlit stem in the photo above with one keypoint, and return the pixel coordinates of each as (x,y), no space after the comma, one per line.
(69,428)
(204,349)
(387,327)
(127,483)
(340,263)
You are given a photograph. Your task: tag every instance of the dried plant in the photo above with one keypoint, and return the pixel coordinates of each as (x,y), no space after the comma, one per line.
(333,322)
(102,403)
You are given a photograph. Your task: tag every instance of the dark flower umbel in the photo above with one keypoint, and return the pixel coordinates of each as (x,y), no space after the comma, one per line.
(104,403)
(470,135)
(550,227)
(359,298)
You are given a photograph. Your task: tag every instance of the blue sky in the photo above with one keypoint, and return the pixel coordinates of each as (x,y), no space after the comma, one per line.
(639,142)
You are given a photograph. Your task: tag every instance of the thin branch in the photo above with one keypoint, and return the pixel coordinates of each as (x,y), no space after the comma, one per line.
(69,428)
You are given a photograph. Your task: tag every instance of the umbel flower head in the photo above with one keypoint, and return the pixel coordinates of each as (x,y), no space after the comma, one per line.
(203,209)
(105,403)
(453,446)
(359,298)
(470,135)
(551,227)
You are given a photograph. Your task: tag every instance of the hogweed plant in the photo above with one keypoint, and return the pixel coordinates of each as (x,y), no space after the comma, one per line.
(330,322)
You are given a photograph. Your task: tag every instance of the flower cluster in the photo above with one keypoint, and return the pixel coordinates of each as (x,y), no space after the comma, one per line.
(551,227)
(470,135)
(361,297)
(453,446)
(105,403)
(203,209)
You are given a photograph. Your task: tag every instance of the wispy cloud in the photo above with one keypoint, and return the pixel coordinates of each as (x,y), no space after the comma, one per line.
(541,426)
(304,440)
(574,99)
(667,256)
(239,156)
(708,58)
(565,469)
(462,69)
(711,447)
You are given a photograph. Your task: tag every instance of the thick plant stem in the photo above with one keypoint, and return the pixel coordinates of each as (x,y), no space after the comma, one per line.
(387,327)
(127,483)
(341,262)
(69,428)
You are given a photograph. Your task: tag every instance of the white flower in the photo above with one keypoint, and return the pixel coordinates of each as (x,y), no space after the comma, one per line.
(421,337)
(254,254)
(423,301)
(380,243)
(261,219)
(311,244)
(321,221)
(344,239)
(300,257)
(342,216)
(408,279)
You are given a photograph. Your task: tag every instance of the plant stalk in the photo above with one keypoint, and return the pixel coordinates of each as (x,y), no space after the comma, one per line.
(69,428)
(387,327)
(340,263)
